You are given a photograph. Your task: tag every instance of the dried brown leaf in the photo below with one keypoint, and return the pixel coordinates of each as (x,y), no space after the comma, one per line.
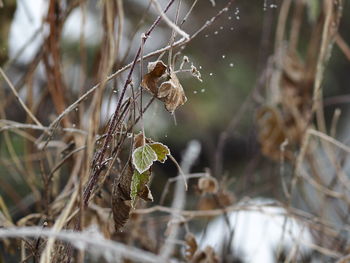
(191,246)
(139,140)
(208,184)
(150,80)
(172,93)
(207,255)
(222,199)
(146,194)
(121,200)
(271,131)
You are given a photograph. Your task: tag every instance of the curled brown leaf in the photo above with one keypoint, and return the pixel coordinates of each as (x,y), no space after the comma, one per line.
(172,93)
(150,80)
(121,200)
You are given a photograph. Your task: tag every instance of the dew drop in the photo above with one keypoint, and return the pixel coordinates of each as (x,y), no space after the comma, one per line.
(231,28)
(216,32)
(232,65)
(195,92)
(230,17)
(200,67)
(206,35)
(223,56)
(202,90)
(114,91)
(221,28)
(237,17)
(76,109)
(73,125)
(210,74)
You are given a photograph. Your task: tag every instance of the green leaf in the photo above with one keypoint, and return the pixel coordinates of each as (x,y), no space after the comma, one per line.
(161,150)
(143,157)
(138,182)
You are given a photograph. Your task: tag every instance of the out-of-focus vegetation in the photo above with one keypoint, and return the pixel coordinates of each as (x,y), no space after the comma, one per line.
(260,86)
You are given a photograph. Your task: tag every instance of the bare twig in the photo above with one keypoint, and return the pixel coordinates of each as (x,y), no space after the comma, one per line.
(31,115)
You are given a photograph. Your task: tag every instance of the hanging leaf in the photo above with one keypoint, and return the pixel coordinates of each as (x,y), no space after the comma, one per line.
(208,184)
(121,200)
(143,157)
(161,150)
(149,81)
(172,93)
(139,187)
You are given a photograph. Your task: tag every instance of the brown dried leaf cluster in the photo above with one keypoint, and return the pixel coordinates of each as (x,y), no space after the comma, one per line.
(169,91)
(289,112)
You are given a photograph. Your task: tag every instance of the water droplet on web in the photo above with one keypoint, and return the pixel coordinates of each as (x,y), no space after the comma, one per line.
(76,109)
(223,56)
(73,125)
(216,32)
(202,90)
(237,17)
(232,65)
(195,92)
(210,74)
(273,6)
(221,28)
(200,67)
(231,28)
(114,91)
(230,17)
(206,35)
(166,135)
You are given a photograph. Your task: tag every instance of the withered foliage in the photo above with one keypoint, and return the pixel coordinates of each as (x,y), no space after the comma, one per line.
(83,166)
(170,90)
(121,199)
(291,85)
(149,81)
(172,93)
(195,255)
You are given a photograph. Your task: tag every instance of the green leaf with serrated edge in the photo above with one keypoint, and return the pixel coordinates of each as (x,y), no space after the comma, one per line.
(143,157)
(161,150)
(138,182)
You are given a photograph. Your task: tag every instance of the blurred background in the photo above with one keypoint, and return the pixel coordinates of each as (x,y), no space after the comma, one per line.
(55,51)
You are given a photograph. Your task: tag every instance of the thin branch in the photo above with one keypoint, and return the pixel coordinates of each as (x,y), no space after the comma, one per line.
(31,115)
(94,243)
